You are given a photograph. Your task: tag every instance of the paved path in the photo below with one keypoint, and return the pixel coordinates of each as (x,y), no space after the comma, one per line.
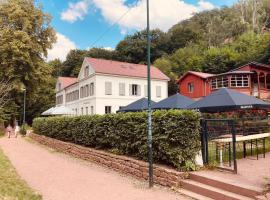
(57,176)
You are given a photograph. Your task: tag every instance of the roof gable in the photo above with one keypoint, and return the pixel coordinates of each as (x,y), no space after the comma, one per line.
(198,74)
(65,82)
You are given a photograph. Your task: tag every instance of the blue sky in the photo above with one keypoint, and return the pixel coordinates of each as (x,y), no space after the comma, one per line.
(80,23)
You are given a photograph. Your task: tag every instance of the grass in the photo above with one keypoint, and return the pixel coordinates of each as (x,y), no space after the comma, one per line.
(239,151)
(12,187)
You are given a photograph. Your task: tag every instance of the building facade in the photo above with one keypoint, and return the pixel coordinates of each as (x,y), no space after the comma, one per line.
(251,79)
(104,86)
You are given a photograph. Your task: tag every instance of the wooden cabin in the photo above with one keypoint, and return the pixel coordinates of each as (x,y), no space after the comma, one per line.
(252,79)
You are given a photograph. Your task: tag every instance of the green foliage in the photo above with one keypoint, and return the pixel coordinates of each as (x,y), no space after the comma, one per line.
(175,134)
(25,37)
(23,129)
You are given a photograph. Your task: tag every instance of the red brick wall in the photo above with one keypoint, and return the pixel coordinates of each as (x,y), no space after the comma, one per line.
(139,169)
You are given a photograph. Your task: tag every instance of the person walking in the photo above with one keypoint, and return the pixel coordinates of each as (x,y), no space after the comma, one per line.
(9,130)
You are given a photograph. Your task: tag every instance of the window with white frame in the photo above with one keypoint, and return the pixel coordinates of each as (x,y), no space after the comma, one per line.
(190,87)
(145,91)
(108,88)
(134,90)
(86,110)
(87,90)
(158,91)
(108,109)
(121,89)
(92,89)
(219,82)
(92,110)
(240,81)
(59,99)
(86,71)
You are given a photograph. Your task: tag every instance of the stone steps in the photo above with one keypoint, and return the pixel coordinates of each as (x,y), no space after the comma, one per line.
(218,188)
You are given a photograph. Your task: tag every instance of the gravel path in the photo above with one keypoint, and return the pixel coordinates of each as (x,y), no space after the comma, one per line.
(57,176)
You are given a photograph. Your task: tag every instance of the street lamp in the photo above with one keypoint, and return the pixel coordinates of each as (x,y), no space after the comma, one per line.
(149,121)
(24,99)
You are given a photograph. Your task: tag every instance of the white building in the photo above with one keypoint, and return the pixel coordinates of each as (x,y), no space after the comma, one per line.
(104,86)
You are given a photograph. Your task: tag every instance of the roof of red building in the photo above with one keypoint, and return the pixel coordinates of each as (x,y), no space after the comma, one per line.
(124,69)
(67,81)
(199,74)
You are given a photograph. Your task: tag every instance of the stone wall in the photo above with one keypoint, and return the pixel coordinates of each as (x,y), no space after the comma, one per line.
(163,175)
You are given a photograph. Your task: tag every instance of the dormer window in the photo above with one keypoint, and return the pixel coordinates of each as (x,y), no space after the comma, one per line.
(86,71)
(59,86)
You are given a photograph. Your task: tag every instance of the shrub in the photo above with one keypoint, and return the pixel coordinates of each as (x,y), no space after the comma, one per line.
(176,138)
(23,129)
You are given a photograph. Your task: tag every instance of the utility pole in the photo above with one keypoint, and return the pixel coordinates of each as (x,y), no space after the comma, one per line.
(149,124)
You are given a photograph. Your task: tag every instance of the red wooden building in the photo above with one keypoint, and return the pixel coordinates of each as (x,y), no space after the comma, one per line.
(252,79)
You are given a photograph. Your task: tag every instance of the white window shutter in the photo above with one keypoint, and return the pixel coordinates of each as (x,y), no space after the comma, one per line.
(130,89)
(139,90)
(145,91)
(122,89)
(108,88)
(158,91)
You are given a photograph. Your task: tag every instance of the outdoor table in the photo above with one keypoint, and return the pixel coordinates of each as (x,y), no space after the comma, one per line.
(222,142)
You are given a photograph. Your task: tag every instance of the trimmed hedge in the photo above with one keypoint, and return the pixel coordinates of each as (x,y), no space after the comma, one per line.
(176,138)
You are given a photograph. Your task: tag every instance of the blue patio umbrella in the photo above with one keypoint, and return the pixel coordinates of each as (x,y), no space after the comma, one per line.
(227,100)
(136,106)
(176,101)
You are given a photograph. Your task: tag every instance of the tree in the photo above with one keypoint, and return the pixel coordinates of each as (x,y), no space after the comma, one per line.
(25,37)
(133,48)
(5,98)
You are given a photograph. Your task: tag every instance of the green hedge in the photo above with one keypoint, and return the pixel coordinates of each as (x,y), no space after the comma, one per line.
(176,138)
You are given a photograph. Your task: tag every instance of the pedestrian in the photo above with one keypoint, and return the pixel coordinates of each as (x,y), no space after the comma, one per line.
(9,130)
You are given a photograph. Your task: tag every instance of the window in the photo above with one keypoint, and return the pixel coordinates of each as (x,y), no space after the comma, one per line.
(108,109)
(158,91)
(86,71)
(92,110)
(82,111)
(91,89)
(240,81)
(134,90)
(81,92)
(219,82)
(145,91)
(86,110)
(108,88)
(59,86)
(59,99)
(121,89)
(87,90)
(190,87)
(76,111)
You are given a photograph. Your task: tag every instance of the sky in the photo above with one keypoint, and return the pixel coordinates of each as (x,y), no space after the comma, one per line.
(83,24)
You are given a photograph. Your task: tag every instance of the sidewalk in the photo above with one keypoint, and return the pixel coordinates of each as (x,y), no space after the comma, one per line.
(57,176)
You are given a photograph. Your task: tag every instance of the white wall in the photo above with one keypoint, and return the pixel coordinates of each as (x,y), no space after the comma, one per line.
(99,100)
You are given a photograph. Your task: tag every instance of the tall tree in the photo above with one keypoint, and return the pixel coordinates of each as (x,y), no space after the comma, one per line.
(25,36)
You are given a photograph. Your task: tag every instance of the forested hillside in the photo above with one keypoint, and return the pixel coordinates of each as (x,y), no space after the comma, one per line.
(212,41)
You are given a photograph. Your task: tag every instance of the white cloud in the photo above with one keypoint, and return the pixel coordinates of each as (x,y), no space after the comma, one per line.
(61,48)
(163,14)
(204,5)
(75,11)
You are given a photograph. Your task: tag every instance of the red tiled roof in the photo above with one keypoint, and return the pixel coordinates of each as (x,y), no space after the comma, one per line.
(67,81)
(124,69)
(199,74)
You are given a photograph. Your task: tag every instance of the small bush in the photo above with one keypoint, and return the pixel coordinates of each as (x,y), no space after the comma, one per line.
(23,129)
(176,138)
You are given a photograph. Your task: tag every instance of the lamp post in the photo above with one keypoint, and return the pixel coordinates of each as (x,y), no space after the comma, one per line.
(149,120)
(24,100)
